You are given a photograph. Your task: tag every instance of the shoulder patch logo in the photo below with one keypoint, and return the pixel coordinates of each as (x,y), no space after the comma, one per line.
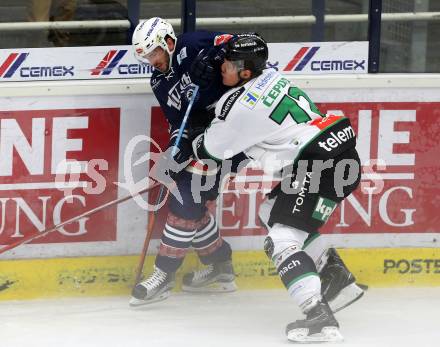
(182,55)
(229,102)
(155,83)
(259,86)
(250,99)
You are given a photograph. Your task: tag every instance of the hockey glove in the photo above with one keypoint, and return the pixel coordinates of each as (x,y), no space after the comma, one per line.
(194,132)
(202,71)
(165,168)
(182,154)
(206,65)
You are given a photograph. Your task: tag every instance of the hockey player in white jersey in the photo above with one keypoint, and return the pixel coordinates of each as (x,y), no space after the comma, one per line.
(276,125)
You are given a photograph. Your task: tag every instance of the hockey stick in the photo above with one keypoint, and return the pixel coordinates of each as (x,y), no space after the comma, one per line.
(76,218)
(162,192)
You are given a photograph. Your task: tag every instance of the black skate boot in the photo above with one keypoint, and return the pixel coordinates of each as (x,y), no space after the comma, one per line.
(338,284)
(319,326)
(214,278)
(155,288)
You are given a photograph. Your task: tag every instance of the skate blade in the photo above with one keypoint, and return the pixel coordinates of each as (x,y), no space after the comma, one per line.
(139,302)
(346,297)
(364,287)
(327,334)
(216,287)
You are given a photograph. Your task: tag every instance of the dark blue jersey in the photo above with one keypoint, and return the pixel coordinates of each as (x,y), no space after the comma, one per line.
(171,88)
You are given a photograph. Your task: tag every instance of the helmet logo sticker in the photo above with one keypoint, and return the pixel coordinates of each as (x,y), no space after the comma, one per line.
(152,28)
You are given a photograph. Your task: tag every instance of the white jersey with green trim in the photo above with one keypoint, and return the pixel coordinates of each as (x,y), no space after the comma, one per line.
(267,118)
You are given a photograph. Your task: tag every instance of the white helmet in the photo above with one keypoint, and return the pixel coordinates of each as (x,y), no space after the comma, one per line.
(151,34)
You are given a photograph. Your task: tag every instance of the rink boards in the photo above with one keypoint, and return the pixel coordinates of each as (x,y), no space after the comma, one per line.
(114,275)
(53,166)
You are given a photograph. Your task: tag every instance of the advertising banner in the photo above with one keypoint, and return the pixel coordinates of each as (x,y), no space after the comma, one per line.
(397,142)
(63,156)
(319,57)
(103,62)
(53,164)
(108,139)
(70,63)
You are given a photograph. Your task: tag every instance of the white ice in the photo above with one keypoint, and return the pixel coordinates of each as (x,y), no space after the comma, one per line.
(383,318)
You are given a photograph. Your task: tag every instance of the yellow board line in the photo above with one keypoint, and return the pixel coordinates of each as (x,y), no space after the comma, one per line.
(114,275)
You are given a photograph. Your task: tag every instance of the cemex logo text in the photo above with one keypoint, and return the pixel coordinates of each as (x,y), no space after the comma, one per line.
(305,55)
(11,64)
(14,61)
(112,60)
(301,58)
(109,62)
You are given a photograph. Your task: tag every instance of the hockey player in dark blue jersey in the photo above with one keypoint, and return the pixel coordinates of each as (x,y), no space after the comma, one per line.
(180,62)
(172,61)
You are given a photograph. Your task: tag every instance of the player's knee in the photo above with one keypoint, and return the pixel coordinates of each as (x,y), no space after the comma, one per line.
(279,254)
(268,247)
(283,246)
(292,263)
(283,240)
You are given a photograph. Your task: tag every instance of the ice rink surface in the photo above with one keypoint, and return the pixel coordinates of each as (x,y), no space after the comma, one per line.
(383,318)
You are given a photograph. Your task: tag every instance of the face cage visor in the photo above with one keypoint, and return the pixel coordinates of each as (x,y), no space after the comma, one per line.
(145,59)
(234,65)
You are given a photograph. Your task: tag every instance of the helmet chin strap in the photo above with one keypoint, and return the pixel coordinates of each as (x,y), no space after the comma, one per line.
(170,55)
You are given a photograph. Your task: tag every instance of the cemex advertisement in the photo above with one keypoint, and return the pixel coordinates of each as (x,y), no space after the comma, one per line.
(319,57)
(103,62)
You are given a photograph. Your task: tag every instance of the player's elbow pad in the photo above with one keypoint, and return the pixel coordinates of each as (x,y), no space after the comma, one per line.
(200,152)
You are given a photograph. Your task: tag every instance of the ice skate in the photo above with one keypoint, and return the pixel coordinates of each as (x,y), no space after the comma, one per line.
(319,326)
(212,279)
(338,284)
(155,288)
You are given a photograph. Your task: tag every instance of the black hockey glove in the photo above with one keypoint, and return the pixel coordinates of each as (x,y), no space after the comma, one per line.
(194,132)
(166,169)
(202,71)
(206,65)
(183,154)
